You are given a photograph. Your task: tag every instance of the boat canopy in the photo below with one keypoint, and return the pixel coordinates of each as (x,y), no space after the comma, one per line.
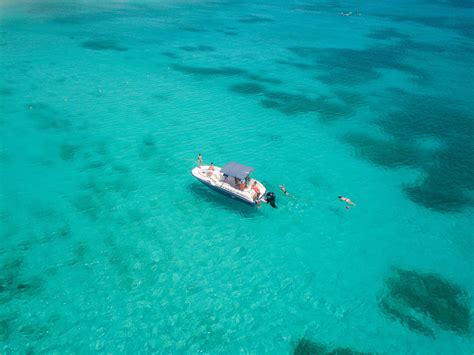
(236,170)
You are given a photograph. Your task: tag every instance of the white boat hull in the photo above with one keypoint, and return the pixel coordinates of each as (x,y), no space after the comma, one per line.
(216,182)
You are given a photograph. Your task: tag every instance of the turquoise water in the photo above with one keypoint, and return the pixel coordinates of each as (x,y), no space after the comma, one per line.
(108,243)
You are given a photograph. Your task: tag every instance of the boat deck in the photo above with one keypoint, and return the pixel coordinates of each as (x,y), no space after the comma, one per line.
(227,185)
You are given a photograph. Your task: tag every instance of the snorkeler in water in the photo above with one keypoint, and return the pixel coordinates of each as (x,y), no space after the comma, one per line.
(346,200)
(282,188)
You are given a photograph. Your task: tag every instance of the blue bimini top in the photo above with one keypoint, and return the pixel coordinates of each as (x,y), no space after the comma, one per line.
(236,170)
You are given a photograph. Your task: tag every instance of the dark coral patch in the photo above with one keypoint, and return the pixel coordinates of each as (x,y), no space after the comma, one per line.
(34,333)
(462,26)
(46,117)
(449,172)
(68,151)
(170,55)
(104,45)
(256,19)
(200,48)
(205,71)
(421,115)
(306,346)
(248,89)
(447,200)
(387,33)
(448,169)
(264,79)
(147,148)
(228,31)
(5,328)
(79,252)
(13,285)
(327,108)
(193,29)
(420,300)
(269,103)
(352,98)
(397,312)
(88,205)
(298,65)
(95,164)
(9,278)
(6,91)
(31,286)
(347,66)
(387,153)
(292,104)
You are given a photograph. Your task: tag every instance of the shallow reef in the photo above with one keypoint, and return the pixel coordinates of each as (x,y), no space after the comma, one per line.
(68,151)
(208,71)
(147,148)
(103,45)
(170,54)
(448,168)
(6,91)
(256,19)
(264,79)
(462,26)
(248,89)
(46,117)
(200,48)
(421,301)
(347,66)
(306,346)
(387,33)
(14,285)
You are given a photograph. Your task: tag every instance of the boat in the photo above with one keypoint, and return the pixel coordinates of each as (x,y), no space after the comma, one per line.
(234,180)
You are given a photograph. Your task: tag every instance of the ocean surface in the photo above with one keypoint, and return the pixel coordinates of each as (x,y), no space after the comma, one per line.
(107,242)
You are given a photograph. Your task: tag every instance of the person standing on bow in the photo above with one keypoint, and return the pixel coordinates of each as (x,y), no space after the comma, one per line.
(199,160)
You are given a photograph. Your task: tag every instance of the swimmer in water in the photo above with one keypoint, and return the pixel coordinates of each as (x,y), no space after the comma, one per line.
(346,200)
(282,188)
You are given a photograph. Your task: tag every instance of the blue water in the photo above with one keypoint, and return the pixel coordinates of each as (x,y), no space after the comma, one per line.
(107,242)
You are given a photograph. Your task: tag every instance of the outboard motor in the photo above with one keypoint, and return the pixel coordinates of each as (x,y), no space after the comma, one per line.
(270,198)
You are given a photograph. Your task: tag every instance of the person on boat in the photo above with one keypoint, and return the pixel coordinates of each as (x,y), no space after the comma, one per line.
(199,160)
(247,181)
(346,200)
(210,170)
(242,185)
(256,190)
(282,188)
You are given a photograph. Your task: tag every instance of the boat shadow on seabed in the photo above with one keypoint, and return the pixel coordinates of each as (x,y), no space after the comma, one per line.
(221,201)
